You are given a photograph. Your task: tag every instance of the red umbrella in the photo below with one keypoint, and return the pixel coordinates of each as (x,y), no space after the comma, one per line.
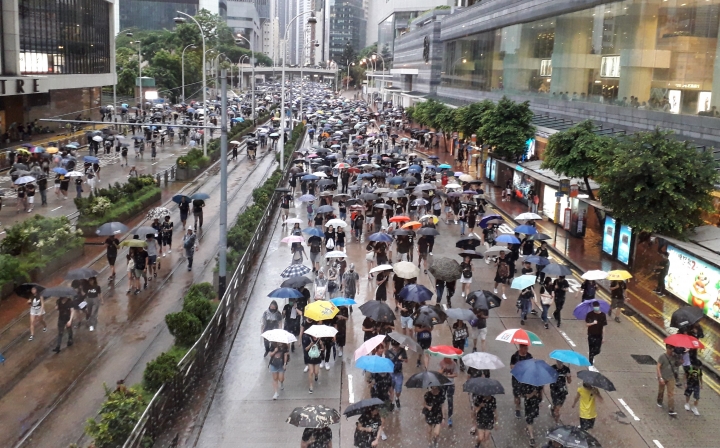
(684,341)
(445,351)
(400,218)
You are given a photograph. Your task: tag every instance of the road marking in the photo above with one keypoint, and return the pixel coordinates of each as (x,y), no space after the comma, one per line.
(630,411)
(444,307)
(351,394)
(567,338)
(56,208)
(658,444)
(155,163)
(2,232)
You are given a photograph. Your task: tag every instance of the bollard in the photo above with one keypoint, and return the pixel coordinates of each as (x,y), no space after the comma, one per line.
(166,175)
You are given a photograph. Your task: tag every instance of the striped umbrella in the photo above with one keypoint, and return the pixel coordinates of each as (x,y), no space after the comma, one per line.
(295,270)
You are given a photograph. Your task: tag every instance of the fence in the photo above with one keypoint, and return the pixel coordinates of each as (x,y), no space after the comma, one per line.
(172,395)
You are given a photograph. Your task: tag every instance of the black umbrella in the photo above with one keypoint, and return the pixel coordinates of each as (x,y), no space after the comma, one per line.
(401,232)
(359,407)
(385,206)
(596,379)
(24,289)
(59,291)
(377,311)
(407,341)
(80,274)
(686,316)
(111,228)
(423,380)
(468,242)
(369,197)
(473,254)
(428,231)
(325,182)
(572,437)
(539,237)
(556,270)
(483,300)
(295,282)
(313,416)
(445,269)
(283,190)
(460,314)
(483,386)
(429,315)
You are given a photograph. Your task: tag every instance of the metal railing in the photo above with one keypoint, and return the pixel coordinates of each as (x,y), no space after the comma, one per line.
(175,393)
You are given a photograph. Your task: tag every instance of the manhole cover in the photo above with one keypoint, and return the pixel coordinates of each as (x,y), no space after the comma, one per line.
(645,360)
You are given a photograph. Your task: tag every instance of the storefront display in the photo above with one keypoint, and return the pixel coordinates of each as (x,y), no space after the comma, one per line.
(490,169)
(609,230)
(522,185)
(624,244)
(694,281)
(554,210)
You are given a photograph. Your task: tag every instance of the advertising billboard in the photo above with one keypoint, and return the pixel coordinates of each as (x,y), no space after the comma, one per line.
(694,281)
(625,240)
(609,234)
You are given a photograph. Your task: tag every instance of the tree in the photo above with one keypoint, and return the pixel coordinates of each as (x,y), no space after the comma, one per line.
(118,417)
(469,118)
(507,128)
(655,183)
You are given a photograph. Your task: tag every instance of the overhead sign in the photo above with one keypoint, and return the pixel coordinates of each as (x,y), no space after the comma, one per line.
(22,85)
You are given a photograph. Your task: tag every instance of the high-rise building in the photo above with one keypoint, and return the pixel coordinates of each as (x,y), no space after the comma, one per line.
(243,18)
(347,27)
(160,14)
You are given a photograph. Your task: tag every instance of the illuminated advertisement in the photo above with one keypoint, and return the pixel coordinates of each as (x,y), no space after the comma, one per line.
(704,101)
(623,252)
(609,234)
(693,281)
(675,99)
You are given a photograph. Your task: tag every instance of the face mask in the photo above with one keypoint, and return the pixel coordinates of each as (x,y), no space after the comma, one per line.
(273,309)
(596,308)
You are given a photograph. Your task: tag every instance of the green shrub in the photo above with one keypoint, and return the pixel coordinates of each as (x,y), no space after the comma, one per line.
(11,271)
(162,369)
(199,307)
(205,289)
(118,416)
(185,327)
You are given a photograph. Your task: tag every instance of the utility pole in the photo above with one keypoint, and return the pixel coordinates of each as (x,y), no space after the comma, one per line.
(222,254)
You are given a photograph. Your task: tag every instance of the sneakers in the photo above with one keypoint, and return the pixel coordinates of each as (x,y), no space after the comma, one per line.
(310,390)
(672,413)
(450,422)
(282,385)
(92,328)
(316,378)
(169,251)
(56,349)
(306,369)
(687,407)
(383,436)
(322,364)
(495,290)
(522,321)
(695,411)
(547,326)
(504,297)
(33,337)
(517,413)
(275,397)
(340,353)
(397,403)
(44,329)
(327,366)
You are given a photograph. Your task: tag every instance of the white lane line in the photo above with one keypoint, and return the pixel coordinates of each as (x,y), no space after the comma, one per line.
(658,444)
(351,394)
(567,338)
(630,411)
(2,232)
(155,163)
(56,208)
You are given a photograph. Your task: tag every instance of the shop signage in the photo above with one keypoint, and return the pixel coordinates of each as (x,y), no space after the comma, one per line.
(21,85)
(566,221)
(609,235)
(565,186)
(687,86)
(694,281)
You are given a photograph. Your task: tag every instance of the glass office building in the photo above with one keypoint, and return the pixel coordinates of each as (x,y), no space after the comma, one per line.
(156,14)
(647,54)
(347,27)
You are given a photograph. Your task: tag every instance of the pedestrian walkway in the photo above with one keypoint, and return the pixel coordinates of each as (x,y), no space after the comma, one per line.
(243,412)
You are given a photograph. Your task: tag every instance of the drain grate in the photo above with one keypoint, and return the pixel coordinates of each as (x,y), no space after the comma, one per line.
(645,360)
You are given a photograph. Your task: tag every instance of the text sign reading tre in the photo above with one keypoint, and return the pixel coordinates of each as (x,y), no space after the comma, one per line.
(21,86)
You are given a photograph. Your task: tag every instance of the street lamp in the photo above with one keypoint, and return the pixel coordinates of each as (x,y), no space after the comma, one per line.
(242,75)
(139,44)
(252,63)
(202,33)
(317,44)
(311,21)
(231,72)
(348,63)
(216,64)
(374,56)
(115,83)
(193,46)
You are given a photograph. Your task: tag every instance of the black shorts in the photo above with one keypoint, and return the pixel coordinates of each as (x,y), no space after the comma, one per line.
(502,280)
(587,423)
(558,398)
(486,425)
(167,240)
(111,259)
(425,344)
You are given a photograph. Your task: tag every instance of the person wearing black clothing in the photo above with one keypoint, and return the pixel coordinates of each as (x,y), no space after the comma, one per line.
(78,187)
(617,295)
(64,306)
(595,322)
(291,319)
(542,251)
(166,231)
(533,398)
(432,410)
(184,207)
(93,299)
(111,245)
(558,389)
(382,384)
(518,388)
(141,260)
(367,429)
(398,356)
(316,438)
(285,201)
(485,408)
(42,186)
(560,286)
(198,205)
(662,269)
(30,197)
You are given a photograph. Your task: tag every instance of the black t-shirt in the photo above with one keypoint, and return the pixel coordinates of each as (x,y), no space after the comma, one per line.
(369,323)
(364,438)
(559,285)
(93,292)
(31,190)
(597,329)
(198,205)
(617,293)
(318,219)
(517,357)
(382,382)
(141,257)
(486,414)
(112,246)
(396,358)
(560,385)
(167,227)
(286,201)
(423,245)
(323,437)
(64,309)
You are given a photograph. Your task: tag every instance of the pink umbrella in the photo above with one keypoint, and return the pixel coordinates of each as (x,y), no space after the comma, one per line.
(312,155)
(368,346)
(293,239)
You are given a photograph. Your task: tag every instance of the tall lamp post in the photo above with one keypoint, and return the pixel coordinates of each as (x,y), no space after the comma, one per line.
(216,64)
(374,56)
(115,83)
(182,64)
(139,44)
(311,21)
(317,44)
(239,38)
(242,74)
(204,81)
(348,63)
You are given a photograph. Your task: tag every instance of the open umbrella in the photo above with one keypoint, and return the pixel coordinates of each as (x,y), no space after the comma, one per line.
(294,221)
(412,225)
(685,316)
(584,308)
(527,216)
(618,275)
(460,314)
(534,372)
(320,310)
(380,237)
(144,230)
(306,198)
(684,341)
(313,416)
(25,289)
(405,269)
(428,231)
(336,223)
(468,242)
(335,254)
(81,274)
(321,331)
(293,239)
(400,218)
(59,291)
(406,341)
(24,180)
(523,281)
(200,196)
(539,237)
(295,282)
(375,364)
(482,361)
(572,437)
(429,316)
(486,219)
(343,301)
(444,351)
(473,254)
(536,259)
(415,293)
(312,231)
(111,228)
(285,293)
(279,335)
(133,243)
(445,269)
(525,230)
(325,209)
(556,270)
(594,275)
(507,238)
(158,212)
(570,357)
(483,300)
(359,407)
(596,379)
(483,386)
(424,380)
(519,336)
(377,311)
(368,346)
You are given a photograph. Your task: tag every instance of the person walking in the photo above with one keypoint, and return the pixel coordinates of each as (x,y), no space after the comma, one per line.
(94,299)
(667,368)
(271,320)
(190,246)
(521,354)
(279,357)
(502,273)
(382,389)
(525,301)
(37,311)
(30,192)
(198,205)
(617,295)
(432,410)
(152,249)
(533,398)
(588,290)
(368,428)
(78,187)
(349,283)
(485,408)
(546,299)
(166,231)
(586,396)
(560,289)
(184,207)
(449,368)
(558,389)
(313,356)
(693,384)
(466,269)
(595,322)
(398,355)
(64,307)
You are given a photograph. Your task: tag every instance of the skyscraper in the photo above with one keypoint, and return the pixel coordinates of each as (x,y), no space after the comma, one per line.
(347,27)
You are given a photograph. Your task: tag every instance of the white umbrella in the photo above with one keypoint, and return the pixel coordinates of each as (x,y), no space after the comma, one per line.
(321,331)
(234,142)
(368,346)
(595,275)
(320,174)
(75,174)
(466,178)
(405,269)
(453,186)
(482,361)
(294,221)
(382,267)
(527,216)
(496,250)
(97,138)
(293,239)
(336,254)
(24,180)
(279,335)
(336,223)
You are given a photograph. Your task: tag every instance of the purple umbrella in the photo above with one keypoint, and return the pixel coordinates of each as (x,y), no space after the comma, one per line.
(586,307)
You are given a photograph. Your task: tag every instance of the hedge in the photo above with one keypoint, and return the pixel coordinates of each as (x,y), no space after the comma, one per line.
(119,200)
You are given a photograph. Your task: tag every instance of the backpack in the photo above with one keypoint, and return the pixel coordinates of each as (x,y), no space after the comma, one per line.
(314,352)
(315,246)
(503,270)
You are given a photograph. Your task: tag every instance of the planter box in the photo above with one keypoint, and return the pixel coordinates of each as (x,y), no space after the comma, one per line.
(89,231)
(184,174)
(39,274)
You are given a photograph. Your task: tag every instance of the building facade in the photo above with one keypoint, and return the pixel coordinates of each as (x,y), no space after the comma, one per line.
(243,17)
(55,56)
(347,27)
(153,14)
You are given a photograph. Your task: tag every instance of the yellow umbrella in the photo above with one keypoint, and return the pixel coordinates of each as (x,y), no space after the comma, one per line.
(52,150)
(23,151)
(433,217)
(619,275)
(133,243)
(321,310)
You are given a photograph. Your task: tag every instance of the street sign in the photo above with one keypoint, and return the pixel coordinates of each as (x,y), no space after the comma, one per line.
(565,186)
(559,194)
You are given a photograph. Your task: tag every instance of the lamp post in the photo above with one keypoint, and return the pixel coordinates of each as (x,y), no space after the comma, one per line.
(242,75)
(202,33)
(140,72)
(216,64)
(348,63)
(115,83)
(317,44)
(232,66)
(252,84)
(374,56)
(311,21)
(193,46)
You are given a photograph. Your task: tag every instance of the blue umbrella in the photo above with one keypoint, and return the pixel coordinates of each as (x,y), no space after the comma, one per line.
(91,159)
(570,357)
(238,120)
(523,281)
(200,196)
(416,293)
(444,166)
(415,167)
(309,177)
(179,197)
(325,209)
(507,238)
(342,301)
(306,198)
(536,259)
(312,231)
(285,293)
(414,170)
(365,176)
(526,230)
(485,219)
(190,110)
(60,170)
(380,237)
(375,364)
(586,307)
(397,180)
(534,372)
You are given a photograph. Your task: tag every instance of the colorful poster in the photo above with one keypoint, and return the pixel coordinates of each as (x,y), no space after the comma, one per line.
(609,234)
(623,253)
(694,281)
(675,99)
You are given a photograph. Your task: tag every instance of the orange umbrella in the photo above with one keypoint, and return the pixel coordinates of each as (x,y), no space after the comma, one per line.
(412,225)
(399,218)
